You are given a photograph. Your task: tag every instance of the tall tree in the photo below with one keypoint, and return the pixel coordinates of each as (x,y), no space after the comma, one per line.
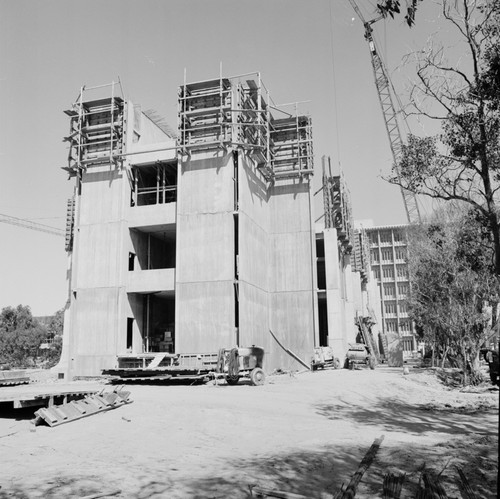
(20,337)
(462,162)
(453,287)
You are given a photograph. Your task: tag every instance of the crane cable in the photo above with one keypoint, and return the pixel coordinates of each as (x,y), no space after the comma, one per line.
(335,108)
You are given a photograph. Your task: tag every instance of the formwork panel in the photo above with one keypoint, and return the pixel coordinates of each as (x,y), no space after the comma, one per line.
(291,262)
(100,255)
(292,321)
(290,206)
(205,247)
(97,330)
(101,199)
(253,255)
(204,316)
(206,184)
(253,196)
(254,317)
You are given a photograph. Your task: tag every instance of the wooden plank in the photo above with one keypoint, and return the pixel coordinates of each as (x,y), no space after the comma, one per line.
(350,491)
(289,352)
(465,489)
(280,494)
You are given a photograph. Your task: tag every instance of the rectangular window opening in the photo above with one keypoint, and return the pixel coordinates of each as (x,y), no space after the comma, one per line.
(154,184)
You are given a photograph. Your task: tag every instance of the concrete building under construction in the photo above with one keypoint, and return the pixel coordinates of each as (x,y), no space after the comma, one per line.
(190,241)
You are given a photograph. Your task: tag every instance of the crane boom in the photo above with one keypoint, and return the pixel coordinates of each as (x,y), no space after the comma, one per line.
(31,225)
(389,113)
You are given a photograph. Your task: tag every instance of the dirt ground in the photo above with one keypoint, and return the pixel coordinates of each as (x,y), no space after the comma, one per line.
(304,433)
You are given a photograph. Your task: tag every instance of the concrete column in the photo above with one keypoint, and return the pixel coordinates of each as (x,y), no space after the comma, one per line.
(333,271)
(350,326)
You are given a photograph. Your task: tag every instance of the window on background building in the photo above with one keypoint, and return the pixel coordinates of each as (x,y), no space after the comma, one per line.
(391,326)
(387,255)
(389,290)
(402,271)
(403,307)
(398,236)
(376,271)
(408,343)
(404,326)
(400,253)
(388,272)
(402,289)
(385,237)
(390,308)
(375,256)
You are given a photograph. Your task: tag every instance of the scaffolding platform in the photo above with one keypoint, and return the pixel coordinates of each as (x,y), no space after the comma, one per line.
(238,112)
(337,207)
(96,132)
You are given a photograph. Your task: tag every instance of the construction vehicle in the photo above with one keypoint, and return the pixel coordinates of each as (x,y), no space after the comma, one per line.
(236,363)
(323,358)
(359,354)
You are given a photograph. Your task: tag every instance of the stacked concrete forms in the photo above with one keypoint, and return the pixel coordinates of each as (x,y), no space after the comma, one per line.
(388,261)
(192,244)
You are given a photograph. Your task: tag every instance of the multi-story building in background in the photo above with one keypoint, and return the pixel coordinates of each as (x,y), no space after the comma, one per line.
(388,254)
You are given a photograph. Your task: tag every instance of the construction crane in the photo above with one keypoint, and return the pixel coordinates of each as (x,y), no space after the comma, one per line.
(31,225)
(389,112)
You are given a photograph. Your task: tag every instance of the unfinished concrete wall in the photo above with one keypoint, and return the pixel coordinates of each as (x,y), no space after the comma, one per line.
(205,312)
(334,294)
(343,295)
(253,258)
(98,272)
(292,306)
(96,320)
(350,309)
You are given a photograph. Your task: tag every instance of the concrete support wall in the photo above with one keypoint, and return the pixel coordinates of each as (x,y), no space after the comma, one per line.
(351,329)
(99,266)
(253,258)
(343,293)
(334,294)
(205,311)
(292,307)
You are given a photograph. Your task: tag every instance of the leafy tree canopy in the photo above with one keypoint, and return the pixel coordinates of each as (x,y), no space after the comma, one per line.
(462,163)
(454,291)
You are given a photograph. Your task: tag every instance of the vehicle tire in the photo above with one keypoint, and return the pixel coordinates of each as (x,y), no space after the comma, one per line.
(232,380)
(257,376)
(336,363)
(372,362)
(220,361)
(351,365)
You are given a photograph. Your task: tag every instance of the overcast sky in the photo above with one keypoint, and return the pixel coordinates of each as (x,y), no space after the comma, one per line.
(305,50)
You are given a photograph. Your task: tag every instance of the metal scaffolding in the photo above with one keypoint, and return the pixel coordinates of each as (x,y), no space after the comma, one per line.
(96,130)
(337,207)
(361,252)
(237,112)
